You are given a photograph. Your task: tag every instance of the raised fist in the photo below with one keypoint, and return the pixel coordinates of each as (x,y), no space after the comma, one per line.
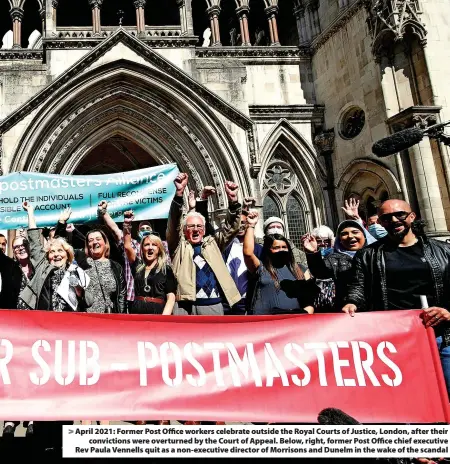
(180,183)
(249,202)
(207,192)
(27,206)
(128,216)
(231,190)
(252,218)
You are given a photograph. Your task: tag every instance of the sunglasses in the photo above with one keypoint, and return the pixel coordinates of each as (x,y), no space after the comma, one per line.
(400,215)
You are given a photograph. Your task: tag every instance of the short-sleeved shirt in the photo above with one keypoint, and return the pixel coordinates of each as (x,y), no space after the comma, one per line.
(156,285)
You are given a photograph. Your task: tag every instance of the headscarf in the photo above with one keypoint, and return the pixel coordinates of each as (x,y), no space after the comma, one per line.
(338,248)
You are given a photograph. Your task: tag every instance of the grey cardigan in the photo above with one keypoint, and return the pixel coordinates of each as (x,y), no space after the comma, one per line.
(42,269)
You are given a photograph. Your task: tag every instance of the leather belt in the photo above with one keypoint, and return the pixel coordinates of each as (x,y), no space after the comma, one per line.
(149,299)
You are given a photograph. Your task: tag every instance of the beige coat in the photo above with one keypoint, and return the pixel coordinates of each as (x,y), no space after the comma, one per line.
(182,253)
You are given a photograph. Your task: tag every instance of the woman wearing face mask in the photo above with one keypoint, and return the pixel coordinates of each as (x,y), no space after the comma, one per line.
(350,237)
(277,264)
(154,282)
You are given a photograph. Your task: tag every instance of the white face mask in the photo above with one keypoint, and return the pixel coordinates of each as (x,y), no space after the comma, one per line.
(274,230)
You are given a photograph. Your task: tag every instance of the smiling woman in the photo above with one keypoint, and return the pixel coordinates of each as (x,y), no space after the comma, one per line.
(154,282)
(49,288)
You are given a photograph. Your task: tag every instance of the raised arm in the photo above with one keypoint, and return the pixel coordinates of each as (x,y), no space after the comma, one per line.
(129,250)
(250,259)
(173,233)
(233,218)
(316,264)
(37,253)
(102,212)
(201,206)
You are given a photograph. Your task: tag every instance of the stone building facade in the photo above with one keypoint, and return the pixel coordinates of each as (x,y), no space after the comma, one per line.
(284,96)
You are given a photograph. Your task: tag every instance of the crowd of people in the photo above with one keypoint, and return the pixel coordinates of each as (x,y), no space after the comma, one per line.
(383,263)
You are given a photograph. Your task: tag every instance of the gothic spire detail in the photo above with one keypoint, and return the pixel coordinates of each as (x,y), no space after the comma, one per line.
(390,20)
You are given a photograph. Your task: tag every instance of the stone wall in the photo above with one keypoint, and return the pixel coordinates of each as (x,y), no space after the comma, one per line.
(19,81)
(346,75)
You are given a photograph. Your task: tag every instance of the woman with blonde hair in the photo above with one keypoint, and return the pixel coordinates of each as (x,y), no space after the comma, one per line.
(154,282)
(53,287)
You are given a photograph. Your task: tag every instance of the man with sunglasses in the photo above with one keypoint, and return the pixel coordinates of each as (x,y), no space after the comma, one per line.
(395,271)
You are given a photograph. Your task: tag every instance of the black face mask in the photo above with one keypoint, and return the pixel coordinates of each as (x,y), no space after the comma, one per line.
(280,258)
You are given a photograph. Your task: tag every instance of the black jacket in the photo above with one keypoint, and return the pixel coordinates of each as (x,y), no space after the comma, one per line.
(11,278)
(336,266)
(368,289)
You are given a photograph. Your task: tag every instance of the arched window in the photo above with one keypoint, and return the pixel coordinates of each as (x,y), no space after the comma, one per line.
(296,219)
(270,208)
(31,21)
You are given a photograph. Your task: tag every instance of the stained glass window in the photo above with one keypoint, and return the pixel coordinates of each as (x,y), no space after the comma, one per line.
(296,220)
(270,208)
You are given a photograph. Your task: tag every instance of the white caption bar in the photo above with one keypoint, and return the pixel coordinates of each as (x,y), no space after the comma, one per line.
(256,441)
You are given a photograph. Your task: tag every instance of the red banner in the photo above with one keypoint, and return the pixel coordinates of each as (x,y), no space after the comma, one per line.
(380,367)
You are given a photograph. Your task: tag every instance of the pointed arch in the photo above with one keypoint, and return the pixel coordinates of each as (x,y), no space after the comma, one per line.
(301,156)
(363,175)
(141,99)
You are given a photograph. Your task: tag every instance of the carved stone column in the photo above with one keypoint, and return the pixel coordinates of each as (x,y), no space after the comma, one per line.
(299,13)
(186,22)
(242,13)
(96,23)
(271,13)
(140,16)
(425,176)
(51,16)
(17,16)
(325,146)
(42,15)
(213,14)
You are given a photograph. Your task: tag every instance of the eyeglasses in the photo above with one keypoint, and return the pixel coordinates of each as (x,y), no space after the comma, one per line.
(17,247)
(400,215)
(195,226)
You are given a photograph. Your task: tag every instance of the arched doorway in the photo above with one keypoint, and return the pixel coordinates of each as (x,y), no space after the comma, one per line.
(146,117)
(116,154)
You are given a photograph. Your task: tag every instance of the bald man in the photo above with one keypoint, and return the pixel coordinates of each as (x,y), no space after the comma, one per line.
(395,271)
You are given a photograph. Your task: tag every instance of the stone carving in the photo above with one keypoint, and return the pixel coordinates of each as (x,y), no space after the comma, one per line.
(207,37)
(139,3)
(279,177)
(95,3)
(233,37)
(325,142)
(35,40)
(8,41)
(391,18)
(424,120)
(150,55)
(260,37)
(21,54)
(37,164)
(274,55)
(274,113)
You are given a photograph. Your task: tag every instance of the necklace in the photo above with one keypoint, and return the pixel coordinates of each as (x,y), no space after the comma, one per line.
(147,288)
